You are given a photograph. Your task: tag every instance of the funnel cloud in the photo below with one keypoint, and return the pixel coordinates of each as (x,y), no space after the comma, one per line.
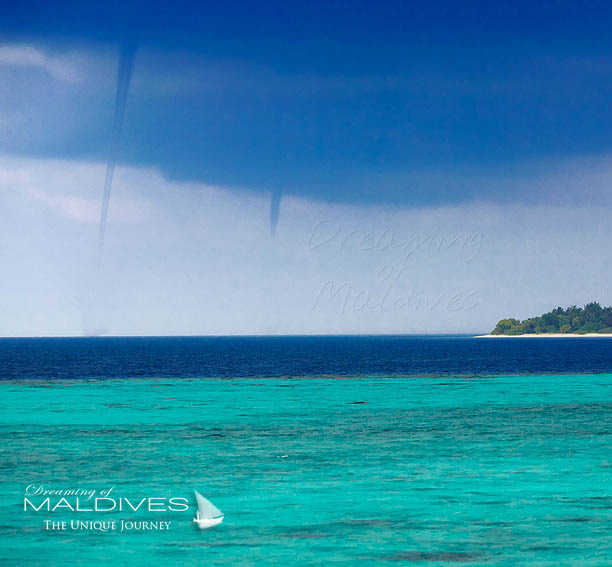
(275,210)
(124,75)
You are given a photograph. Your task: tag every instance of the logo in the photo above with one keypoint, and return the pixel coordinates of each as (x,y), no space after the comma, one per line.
(104,510)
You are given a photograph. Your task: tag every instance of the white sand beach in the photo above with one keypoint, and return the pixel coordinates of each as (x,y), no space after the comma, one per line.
(548,336)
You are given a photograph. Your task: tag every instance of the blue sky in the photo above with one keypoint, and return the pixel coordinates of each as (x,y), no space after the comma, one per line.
(466,120)
(330,99)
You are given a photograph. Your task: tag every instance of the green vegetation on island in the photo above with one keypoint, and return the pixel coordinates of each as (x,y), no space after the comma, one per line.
(592,318)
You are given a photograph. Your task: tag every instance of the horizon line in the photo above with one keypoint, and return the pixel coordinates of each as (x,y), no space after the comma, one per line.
(238,335)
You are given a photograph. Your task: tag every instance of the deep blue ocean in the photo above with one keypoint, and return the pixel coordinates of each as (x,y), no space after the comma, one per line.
(329,356)
(346,451)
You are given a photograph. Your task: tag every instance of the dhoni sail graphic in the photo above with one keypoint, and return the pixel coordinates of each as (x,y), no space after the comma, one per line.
(208,515)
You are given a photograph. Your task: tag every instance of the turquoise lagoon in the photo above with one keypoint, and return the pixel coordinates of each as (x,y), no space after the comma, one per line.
(501,470)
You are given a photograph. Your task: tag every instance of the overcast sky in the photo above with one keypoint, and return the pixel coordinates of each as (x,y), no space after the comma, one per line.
(440,167)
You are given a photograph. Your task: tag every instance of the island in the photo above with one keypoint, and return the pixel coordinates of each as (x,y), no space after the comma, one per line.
(592,320)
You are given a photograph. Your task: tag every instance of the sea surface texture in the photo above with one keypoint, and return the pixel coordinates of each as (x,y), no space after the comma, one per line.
(425,451)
